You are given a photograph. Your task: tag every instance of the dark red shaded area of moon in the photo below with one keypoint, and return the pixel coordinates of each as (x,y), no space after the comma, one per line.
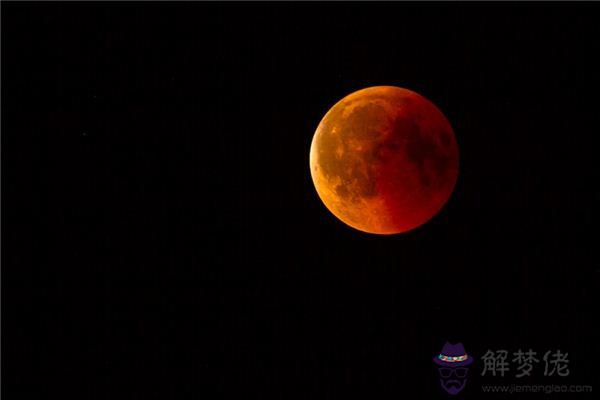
(384,160)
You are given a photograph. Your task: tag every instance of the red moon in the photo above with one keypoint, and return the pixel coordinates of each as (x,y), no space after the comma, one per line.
(384,160)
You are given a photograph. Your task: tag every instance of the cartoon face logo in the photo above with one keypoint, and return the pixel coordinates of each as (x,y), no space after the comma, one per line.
(453,362)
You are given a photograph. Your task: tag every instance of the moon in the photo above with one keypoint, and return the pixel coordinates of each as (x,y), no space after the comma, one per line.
(384,160)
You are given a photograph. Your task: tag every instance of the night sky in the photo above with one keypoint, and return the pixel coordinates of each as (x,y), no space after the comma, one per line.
(162,237)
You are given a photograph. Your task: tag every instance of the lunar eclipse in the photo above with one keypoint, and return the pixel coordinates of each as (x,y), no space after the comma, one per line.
(384,160)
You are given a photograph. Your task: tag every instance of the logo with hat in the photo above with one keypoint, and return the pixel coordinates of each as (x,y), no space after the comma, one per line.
(452,364)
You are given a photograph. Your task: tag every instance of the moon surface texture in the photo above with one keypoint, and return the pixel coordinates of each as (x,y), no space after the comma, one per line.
(384,160)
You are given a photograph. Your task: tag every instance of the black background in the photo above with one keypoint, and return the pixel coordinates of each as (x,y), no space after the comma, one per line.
(162,237)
